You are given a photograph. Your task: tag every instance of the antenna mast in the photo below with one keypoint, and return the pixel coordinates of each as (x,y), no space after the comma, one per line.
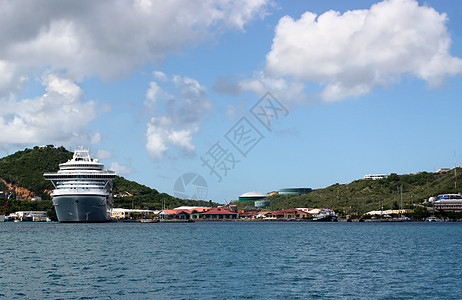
(401,211)
(455,173)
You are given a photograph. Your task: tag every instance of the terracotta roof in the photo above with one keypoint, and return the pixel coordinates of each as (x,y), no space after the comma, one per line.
(175,211)
(267,212)
(250,211)
(199,209)
(247,214)
(218,211)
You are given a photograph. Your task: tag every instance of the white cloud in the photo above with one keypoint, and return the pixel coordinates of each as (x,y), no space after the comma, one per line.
(160,75)
(290,92)
(155,141)
(159,137)
(153,95)
(96,138)
(182,138)
(108,39)
(121,169)
(58,116)
(104,154)
(178,116)
(10,81)
(349,54)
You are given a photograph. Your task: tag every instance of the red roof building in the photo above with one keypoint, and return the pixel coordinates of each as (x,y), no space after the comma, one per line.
(279,214)
(293,213)
(199,209)
(248,213)
(175,214)
(218,213)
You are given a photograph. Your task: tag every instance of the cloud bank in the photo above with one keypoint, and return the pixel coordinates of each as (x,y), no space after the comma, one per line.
(177,116)
(109,38)
(121,169)
(106,39)
(59,115)
(350,54)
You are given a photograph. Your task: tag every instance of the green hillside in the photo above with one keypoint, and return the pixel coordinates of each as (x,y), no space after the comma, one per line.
(146,198)
(25,169)
(363,195)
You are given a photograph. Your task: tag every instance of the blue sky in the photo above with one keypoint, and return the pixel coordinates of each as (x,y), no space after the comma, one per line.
(155,88)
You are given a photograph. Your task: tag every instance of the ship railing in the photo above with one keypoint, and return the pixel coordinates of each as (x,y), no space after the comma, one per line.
(76,175)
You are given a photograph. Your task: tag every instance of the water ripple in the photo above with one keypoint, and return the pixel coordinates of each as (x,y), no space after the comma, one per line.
(231,260)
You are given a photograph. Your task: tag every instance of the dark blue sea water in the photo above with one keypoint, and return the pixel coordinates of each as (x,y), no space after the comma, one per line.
(224,260)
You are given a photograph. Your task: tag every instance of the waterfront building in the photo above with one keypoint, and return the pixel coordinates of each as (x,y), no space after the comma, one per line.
(248,213)
(266,215)
(123,213)
(294,191)
(279,214)
(191,209)
(376,176)
(218,213)
(294,213)
(175,214)
(252,196)
(389,212)
(34,216)
(310,210)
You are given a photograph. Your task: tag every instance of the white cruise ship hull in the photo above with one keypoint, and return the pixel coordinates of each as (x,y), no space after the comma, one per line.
(82,189)
(81,208)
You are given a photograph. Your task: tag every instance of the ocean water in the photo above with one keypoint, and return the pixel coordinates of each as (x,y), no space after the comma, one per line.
(231,260)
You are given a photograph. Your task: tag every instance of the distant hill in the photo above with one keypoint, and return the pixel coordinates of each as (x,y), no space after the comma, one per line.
(365,195)
(128,194)
(23,173)
(25,168)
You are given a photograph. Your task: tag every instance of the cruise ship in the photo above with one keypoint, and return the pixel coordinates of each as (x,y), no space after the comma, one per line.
(82,189)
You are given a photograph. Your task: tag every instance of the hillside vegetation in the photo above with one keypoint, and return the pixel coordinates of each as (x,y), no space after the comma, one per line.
(24,170)
(140,196)
(364,195)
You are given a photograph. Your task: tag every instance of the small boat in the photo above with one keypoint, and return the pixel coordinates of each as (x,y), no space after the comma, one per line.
(326,215)
(149,221)
(448,202)
(432,219)
(405,219)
